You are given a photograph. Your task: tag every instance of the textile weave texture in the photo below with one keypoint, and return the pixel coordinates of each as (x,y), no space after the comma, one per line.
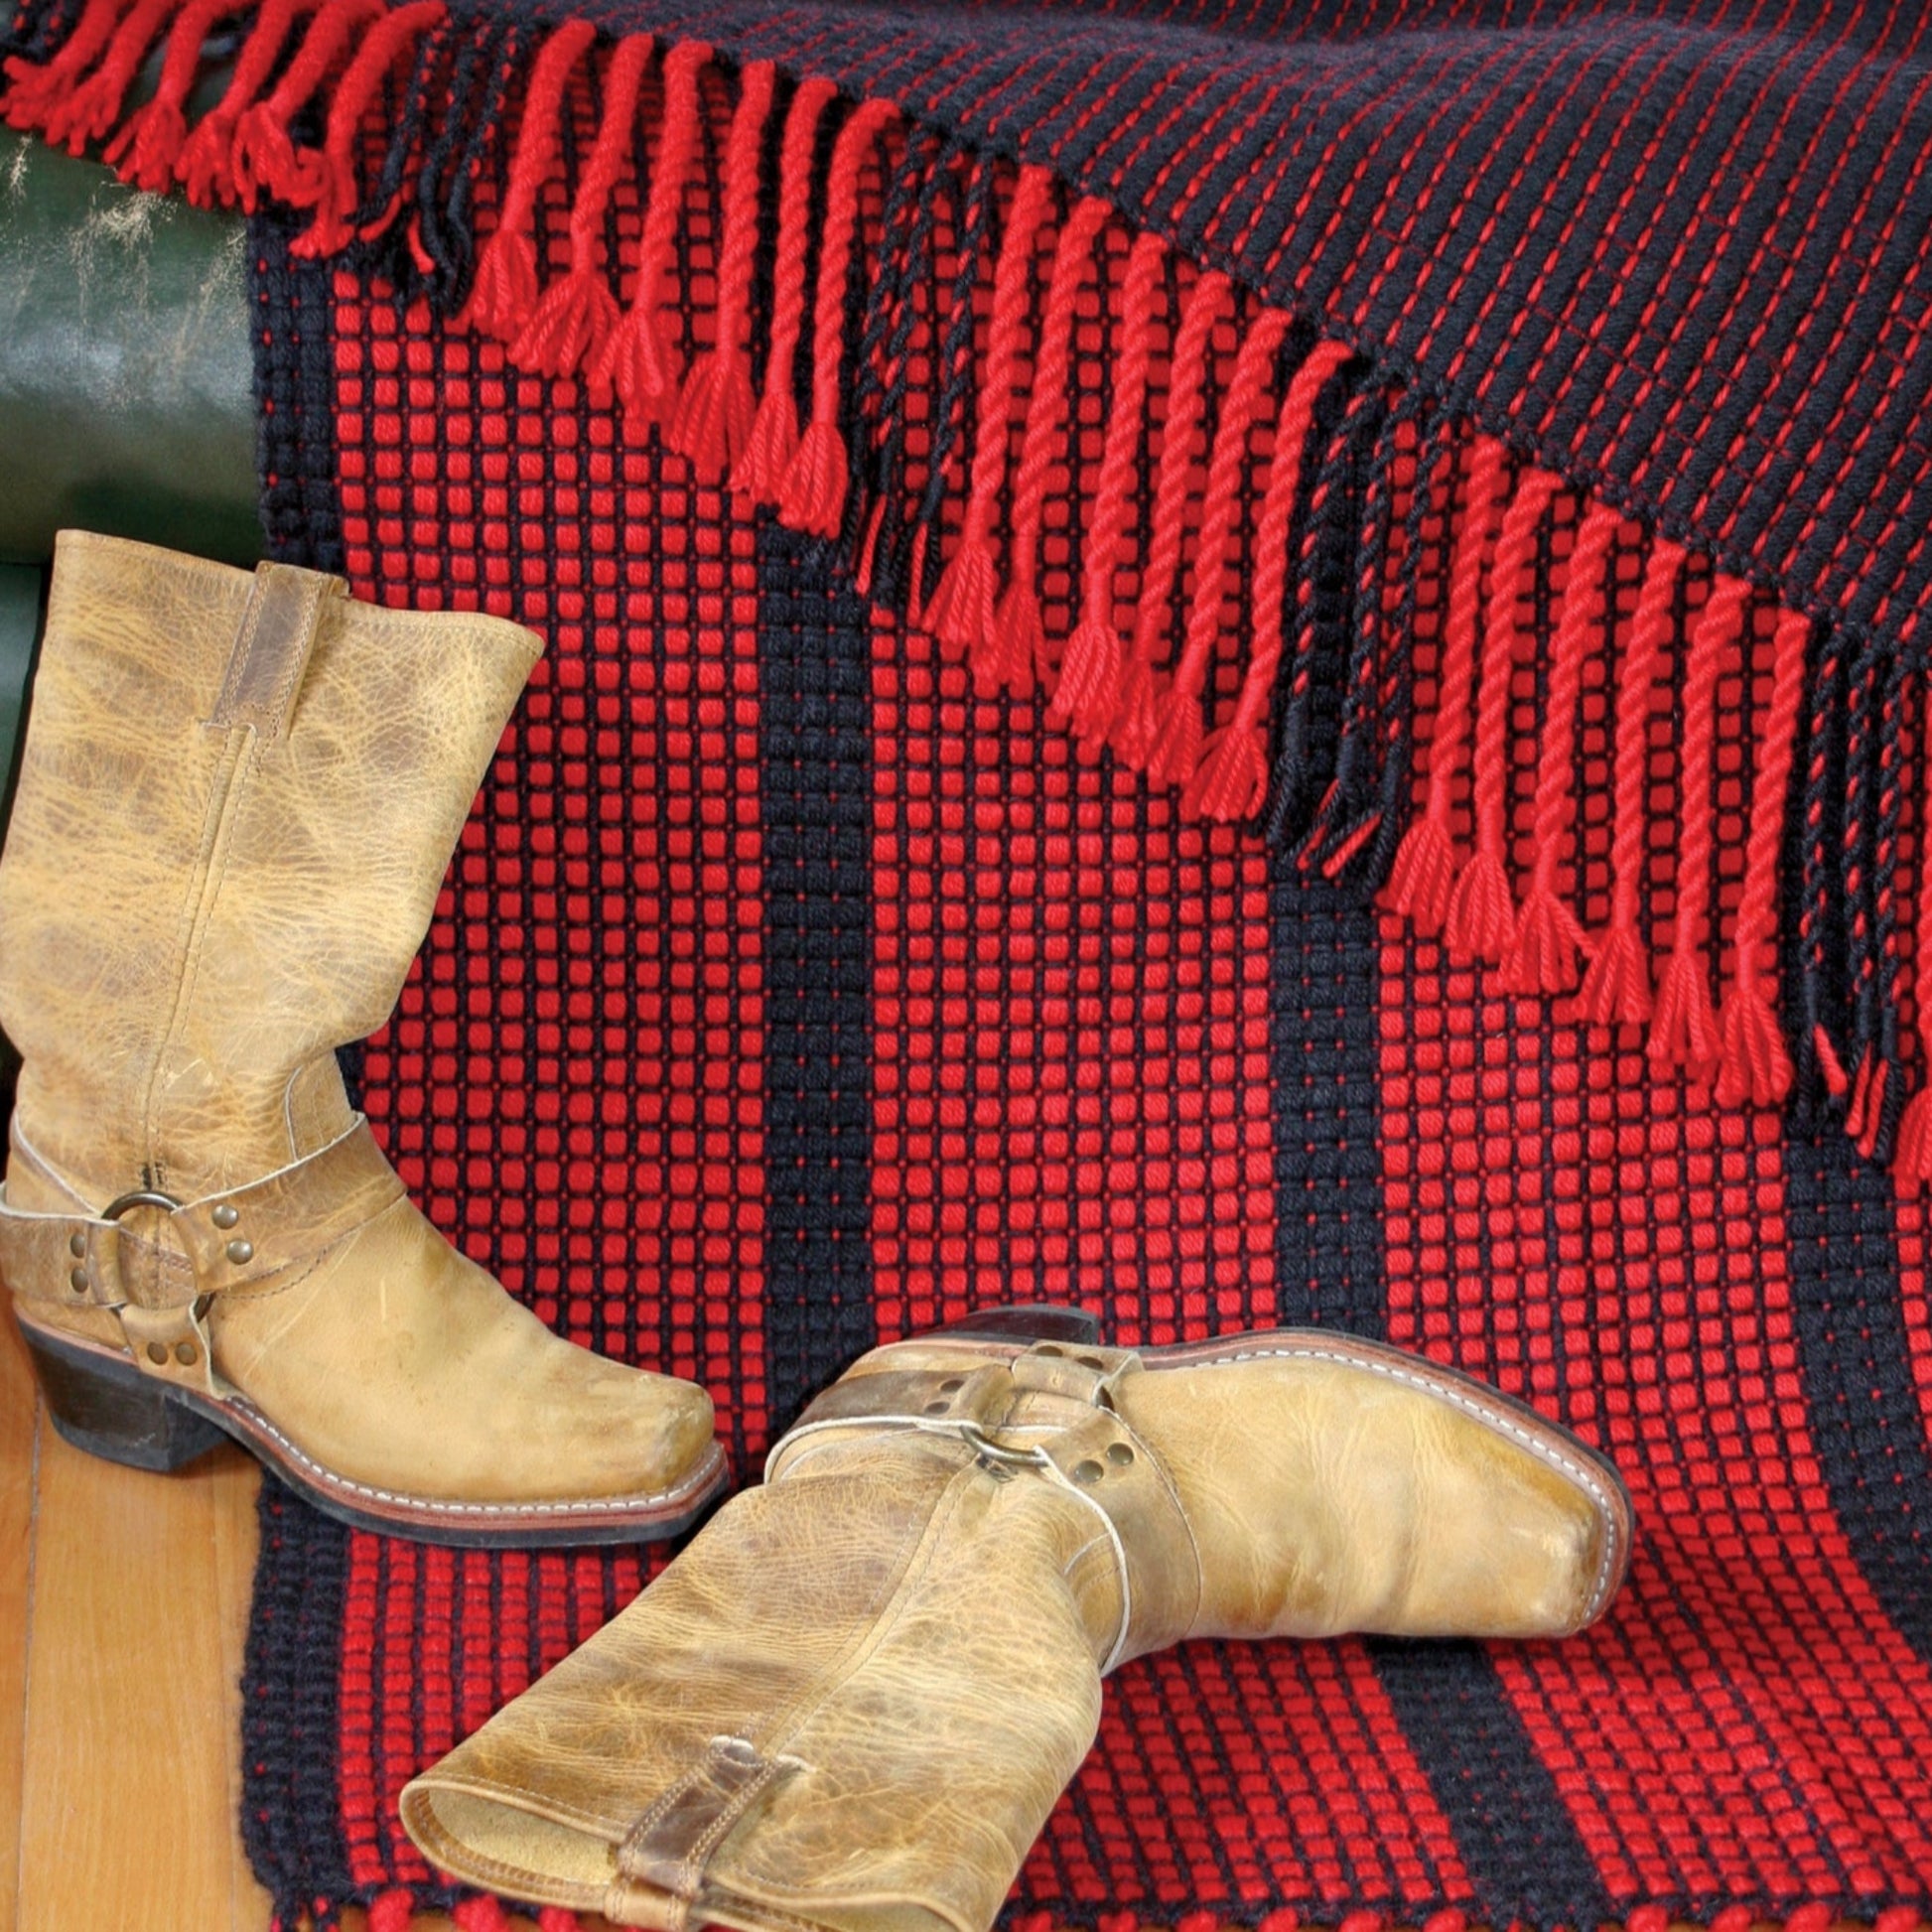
(1243,665)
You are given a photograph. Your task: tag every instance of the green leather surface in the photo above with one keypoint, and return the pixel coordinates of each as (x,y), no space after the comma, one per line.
(19,617)
(126,398)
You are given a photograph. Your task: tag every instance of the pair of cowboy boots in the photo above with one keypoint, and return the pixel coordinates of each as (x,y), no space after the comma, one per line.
(852,1701)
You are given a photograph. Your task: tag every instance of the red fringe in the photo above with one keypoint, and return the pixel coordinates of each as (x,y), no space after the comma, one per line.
(713,424)
(35,95)
(1139,721)
(390,40)
(87,111)
(573,318)
(149,142)
(1482,911)
(1177,747)
(963,610)
(506,289)
(1422,883)
(773,439)
(1088,695)
(637,362)
(1017,618)
(1549,938)
(1684,1033)
(1616,988)
(1148,694)
(813,497)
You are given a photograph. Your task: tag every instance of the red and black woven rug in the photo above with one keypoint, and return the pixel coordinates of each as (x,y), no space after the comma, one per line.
(1241,663)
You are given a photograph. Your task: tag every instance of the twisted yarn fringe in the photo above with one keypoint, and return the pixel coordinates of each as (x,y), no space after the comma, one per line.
(1231,681)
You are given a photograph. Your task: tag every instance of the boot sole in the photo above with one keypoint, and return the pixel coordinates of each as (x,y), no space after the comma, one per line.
(99,1402)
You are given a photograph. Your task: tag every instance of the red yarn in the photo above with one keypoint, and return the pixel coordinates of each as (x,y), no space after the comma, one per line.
(1482,911)
(1549,938)
(264,160)
(150,140)
(637,362)
(1757,1065)
(1423,879)
(393,1911)
(1684,1030)
(1234,789)
(773,439)
(713,423)
(1017,623)
(85,111)
(574,316)
(35,92)
(1138,721)
(963,612)
(812,498)
(1087,695)
(205,168)
(1616,988)
(1178,746)
(393,35)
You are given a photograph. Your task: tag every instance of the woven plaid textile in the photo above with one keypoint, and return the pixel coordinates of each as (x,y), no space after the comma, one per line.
(1240,664)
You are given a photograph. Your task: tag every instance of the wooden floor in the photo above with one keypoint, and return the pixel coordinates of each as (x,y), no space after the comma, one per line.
(123,1611)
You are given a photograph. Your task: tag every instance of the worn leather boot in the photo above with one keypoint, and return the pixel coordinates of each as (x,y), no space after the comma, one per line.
(852,1702)
(238,796)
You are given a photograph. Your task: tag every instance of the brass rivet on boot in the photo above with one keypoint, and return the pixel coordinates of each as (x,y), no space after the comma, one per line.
(186,1353)
(1088,1472)
(77,1281)
(225,1216)
(240,1251)
(76,1245)
(1119,1454)
(157,1352)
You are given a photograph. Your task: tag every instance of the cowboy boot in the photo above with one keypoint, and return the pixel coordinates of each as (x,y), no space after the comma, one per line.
(238,796)
(852,1701)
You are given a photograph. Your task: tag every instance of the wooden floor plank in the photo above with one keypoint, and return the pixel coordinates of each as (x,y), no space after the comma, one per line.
(128,1767)
(18,1416)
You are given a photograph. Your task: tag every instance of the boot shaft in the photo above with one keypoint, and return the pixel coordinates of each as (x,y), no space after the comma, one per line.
(239,797)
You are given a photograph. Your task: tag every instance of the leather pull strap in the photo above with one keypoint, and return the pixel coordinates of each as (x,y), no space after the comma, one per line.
(271,651)
(670,1845)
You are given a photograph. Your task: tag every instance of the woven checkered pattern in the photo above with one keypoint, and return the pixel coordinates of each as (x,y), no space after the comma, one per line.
(1239,665)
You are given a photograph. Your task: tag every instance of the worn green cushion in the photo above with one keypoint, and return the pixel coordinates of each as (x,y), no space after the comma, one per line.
(125,365)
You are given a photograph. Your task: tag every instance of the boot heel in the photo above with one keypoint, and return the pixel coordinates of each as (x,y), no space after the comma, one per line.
(116,1411)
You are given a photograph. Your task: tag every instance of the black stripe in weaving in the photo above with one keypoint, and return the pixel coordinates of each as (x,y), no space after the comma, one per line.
(815,753)
(1325,963)
(295,428)
(1513,1832)
(1866,1424)
(1518,1841)
(291,1809)
(295,398)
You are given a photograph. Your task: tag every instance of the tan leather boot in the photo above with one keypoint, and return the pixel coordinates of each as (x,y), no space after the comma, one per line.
(239,797)
(852,1702)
